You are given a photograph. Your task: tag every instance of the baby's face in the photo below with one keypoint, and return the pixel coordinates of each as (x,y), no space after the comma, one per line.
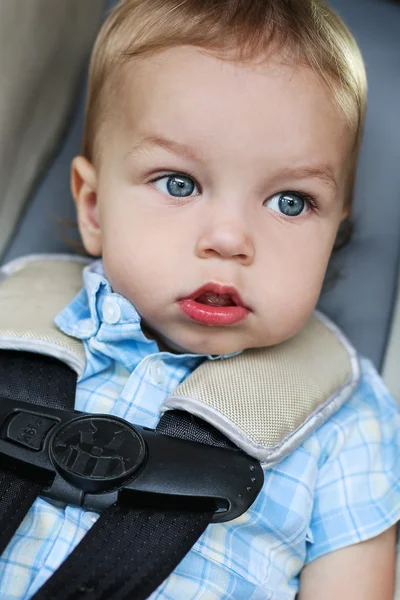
(217,197)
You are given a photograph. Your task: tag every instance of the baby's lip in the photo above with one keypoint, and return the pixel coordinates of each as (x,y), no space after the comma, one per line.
(220,290)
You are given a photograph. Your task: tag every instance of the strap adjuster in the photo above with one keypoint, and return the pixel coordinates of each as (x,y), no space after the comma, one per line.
(93,461)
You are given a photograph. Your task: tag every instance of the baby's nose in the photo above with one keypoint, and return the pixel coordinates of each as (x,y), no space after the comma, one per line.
(227,240)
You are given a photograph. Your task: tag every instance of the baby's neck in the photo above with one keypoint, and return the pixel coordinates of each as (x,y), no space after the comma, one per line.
(163,344)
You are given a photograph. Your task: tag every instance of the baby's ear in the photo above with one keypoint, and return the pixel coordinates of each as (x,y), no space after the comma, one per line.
(345,230)
(346,212)
(84,191)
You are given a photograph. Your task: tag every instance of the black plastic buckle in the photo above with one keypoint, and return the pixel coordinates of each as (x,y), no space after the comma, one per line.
(93,461)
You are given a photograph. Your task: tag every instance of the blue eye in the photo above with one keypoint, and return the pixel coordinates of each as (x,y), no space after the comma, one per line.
(179,186)
(290,204)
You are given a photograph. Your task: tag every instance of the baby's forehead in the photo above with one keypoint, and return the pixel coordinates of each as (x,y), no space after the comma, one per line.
(175,69)
(185,84)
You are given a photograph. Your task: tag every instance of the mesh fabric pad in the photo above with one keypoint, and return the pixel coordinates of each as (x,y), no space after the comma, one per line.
(30,299)
(265,395)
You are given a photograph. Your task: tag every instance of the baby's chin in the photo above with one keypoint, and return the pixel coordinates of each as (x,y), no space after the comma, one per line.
(200,349)
(207,344)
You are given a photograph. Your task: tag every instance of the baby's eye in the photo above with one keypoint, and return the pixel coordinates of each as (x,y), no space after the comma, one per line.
(290,204)
(179,186)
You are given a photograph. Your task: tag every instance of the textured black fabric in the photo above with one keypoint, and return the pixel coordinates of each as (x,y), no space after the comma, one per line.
(39,380)
(16,497)
(129,552)
(180,424)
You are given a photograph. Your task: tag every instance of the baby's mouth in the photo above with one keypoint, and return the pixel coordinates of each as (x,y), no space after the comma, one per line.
(214,305)
(213,299)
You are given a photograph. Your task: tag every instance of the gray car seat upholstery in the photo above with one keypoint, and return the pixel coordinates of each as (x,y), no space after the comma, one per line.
(43,48)
(362,300)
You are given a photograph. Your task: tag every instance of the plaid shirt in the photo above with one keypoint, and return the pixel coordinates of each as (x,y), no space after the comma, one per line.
(338,488)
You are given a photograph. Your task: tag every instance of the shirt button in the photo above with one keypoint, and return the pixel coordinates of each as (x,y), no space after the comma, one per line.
(111,311)
(91,518)
(157,371)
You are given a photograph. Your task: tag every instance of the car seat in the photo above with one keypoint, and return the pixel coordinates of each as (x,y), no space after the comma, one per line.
(43,55)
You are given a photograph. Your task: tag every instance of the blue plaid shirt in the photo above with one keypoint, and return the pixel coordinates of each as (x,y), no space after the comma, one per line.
(338,488)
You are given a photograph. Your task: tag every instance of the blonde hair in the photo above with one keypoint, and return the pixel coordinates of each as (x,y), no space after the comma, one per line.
(308,29)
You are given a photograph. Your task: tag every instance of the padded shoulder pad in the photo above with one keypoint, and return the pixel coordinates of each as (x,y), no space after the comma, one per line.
(33,290)
(268,400)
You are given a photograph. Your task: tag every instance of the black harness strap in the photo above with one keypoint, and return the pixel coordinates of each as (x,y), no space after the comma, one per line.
(127,554)
(130,551)
(17,495)
(39,380)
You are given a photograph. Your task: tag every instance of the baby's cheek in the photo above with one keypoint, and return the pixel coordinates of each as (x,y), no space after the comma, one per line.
(285,308)
(140,274)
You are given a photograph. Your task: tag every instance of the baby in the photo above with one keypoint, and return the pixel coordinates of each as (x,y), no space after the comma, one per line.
(219,151)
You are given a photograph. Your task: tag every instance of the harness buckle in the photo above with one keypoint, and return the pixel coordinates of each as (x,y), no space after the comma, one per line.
(93,461)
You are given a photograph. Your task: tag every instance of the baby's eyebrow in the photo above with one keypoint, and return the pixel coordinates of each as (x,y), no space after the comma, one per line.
(150,141)
(322,172)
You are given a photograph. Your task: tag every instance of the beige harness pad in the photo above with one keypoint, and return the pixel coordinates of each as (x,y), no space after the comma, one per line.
(33,290)
(267,400)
